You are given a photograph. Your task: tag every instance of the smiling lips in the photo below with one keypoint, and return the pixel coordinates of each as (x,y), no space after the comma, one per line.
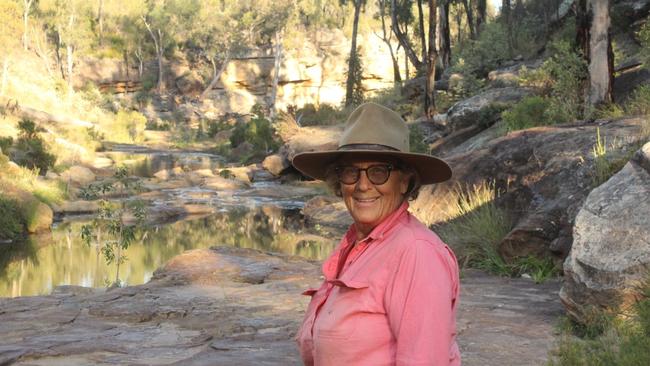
(365,200)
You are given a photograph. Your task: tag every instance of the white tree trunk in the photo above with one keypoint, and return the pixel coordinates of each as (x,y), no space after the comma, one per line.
(217,75)
(600,87)
(27,4)
(159,53)
(276,72)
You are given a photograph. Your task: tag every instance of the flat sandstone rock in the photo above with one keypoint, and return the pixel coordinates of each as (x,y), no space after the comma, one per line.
(229,306)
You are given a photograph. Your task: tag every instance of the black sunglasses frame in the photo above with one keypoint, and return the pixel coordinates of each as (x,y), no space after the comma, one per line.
(389,167)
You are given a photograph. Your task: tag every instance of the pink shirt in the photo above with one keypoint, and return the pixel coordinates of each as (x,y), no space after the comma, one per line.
(394,302)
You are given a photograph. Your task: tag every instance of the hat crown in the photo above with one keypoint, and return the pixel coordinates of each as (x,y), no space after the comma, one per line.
(373,124)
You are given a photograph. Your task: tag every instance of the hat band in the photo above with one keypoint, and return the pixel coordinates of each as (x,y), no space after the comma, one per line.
(366,147)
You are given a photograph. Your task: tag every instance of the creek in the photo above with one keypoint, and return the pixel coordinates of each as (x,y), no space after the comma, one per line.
(265,216)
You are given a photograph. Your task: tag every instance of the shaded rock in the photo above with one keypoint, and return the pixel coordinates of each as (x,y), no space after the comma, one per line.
(545,175)
(275,164)
(468,112)
(242,150)
(610,257)
(79,175)
(510,75)
(190,83)
(262,175)
(37,215)
(242,174)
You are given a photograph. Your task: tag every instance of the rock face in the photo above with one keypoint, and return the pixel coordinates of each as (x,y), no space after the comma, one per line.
(275,164)
(37,215)
(467,112)
(545,175)
(79,175)
(229,306)
(610,256)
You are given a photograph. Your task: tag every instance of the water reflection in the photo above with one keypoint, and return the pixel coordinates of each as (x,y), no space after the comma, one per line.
(63,259)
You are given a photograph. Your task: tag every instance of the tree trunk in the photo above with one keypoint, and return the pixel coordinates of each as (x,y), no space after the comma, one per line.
(432,55)
(507,20)
(27,4)
(386,37)
(100,21)
(481,10)
(459,23)
(5,72)
(349,85)
(276,72)
(601,63)
(69,53)
(57,52)
(138,55)
(406,58)
(125,54)
(402,38)
(582,27)
(423,39)
(445,39)
(159,53)
(216,75)
(470,18)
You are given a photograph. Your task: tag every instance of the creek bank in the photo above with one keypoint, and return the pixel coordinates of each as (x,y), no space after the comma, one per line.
(241,306)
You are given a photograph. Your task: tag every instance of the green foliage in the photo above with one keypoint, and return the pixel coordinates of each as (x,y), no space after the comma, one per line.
(539,269)
(12,225)
(110,234)
(480,56)
(29,149)
(467,83)
(416,140)
(606,161)
(258,132)
(644,39)
(121,183)
(475,226)
(529,112)
(214,127)
(322,115)
(603,339)
(5,144)
(639,102)
(227,174)
(128,126)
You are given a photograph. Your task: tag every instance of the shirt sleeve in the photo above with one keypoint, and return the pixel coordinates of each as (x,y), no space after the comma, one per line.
(420,303)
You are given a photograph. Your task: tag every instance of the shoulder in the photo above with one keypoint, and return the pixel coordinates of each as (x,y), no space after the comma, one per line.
(413,236)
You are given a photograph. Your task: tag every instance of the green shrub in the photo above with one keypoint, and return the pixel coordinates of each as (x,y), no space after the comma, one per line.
(128,126)
(416,140)
(324,114)
(29,149)
(644,39)
(258,132)
(475,226)
(639,102)
(5,144)
(214,127)
(604,339)
(529,112)
(486,53)
(12,225)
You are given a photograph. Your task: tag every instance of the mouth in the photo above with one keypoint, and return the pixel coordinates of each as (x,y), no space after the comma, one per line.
(366,200)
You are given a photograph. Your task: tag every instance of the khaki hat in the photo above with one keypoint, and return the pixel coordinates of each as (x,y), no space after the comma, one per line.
(376,131)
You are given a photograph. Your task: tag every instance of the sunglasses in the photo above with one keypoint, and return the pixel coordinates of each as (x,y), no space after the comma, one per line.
(377,174)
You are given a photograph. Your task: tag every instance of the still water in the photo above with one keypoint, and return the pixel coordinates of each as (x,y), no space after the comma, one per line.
(60,257)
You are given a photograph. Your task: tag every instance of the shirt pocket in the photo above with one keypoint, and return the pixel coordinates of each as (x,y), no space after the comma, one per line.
(338,320)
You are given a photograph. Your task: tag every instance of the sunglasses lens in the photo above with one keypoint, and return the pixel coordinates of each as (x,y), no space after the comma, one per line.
(349,174)
(378,174)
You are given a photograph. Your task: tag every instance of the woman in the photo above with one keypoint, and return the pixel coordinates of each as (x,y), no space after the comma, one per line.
(391,286)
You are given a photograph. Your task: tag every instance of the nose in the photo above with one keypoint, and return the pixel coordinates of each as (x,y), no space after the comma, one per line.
(364,183)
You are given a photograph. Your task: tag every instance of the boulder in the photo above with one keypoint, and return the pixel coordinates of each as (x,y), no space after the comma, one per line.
(610,256)
(78,175)
(468,112)
(241,173)
(219,183)
(276,164)
(544,175)
(37,215)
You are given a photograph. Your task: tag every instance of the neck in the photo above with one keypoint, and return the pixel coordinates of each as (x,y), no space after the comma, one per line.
(362,231)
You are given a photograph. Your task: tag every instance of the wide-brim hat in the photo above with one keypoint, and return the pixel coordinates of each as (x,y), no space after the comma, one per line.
(374,130)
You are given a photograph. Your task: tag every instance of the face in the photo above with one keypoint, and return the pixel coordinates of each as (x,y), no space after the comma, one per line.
(369,204)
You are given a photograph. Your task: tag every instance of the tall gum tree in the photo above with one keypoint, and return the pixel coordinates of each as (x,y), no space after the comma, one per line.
(349,84)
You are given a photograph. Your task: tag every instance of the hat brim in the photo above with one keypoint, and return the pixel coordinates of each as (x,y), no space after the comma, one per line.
(431,169)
